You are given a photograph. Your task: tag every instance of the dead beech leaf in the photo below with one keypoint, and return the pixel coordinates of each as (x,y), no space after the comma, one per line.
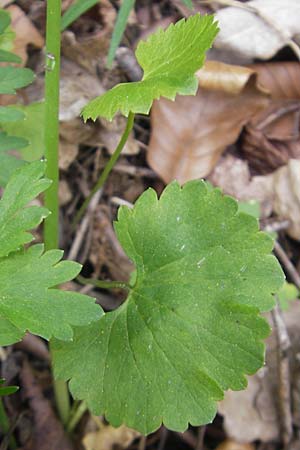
(233,176)
(77,87)
(108,437)
(286,186)
(231,444)
(26,32)
(190,134)
(259,28)
(278,191)
(272,136)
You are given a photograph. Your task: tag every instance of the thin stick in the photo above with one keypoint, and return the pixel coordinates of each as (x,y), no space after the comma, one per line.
(103,284)
(282,256)
(108,168)
(51,141)
(76,417)
(283,367)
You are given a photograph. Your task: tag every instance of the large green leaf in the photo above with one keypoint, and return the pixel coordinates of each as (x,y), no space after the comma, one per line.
(190,327)
(169,59)
(16,218)
(9,334)
(29,301)
(31,127)
(12,78)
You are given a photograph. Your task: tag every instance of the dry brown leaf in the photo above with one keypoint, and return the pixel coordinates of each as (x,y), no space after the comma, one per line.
(77,87)
(231,444)
(108,437)
(272,137)
(64,193)
(233,176)
(286,187)
(67,153)
(259,28)
(86,49)
(278,192)
(252,414)
(190,134)
(110,135)
(26,32)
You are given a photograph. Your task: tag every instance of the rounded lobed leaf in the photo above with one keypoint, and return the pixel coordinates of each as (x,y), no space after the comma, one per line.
(190,327)
(169,59)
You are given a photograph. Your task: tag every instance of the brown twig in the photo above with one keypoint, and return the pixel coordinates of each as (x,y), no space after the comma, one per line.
(284,383)
(289,267)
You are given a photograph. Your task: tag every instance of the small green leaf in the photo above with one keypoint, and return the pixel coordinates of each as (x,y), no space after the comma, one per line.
(29,300)
(286,294)
(11,142)
(9,334)
(188,3)
(169,59)
(4,20)
(7,390)
(120,25)
(9,163)
(15,216)
(75,10)
(10,114)
(190,327)
(12,78)
(31,127)
(6,56)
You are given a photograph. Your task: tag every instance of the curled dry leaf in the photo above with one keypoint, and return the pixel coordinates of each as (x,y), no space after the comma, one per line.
(87,48)
(286,202)
(233,176)
(259,28)
(108,438)
(258,402)
(272,136)
(278,192)
(77,87)
(26,32)
(231,444)
(190,134)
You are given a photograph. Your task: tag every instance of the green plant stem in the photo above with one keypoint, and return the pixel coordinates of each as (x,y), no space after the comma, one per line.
(5,426)
(108,168)
(103,284)
(51,144)
(81,408)
(51,119)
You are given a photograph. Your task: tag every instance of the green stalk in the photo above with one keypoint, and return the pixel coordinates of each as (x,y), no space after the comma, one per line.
(51,143)
(108,168)
(79,410)
(5,426)
(103,284)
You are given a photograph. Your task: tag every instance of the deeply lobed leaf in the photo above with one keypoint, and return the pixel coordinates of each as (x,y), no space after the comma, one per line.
(29,301)
(12,78)
(169,59)
(190,327)
(16,218)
